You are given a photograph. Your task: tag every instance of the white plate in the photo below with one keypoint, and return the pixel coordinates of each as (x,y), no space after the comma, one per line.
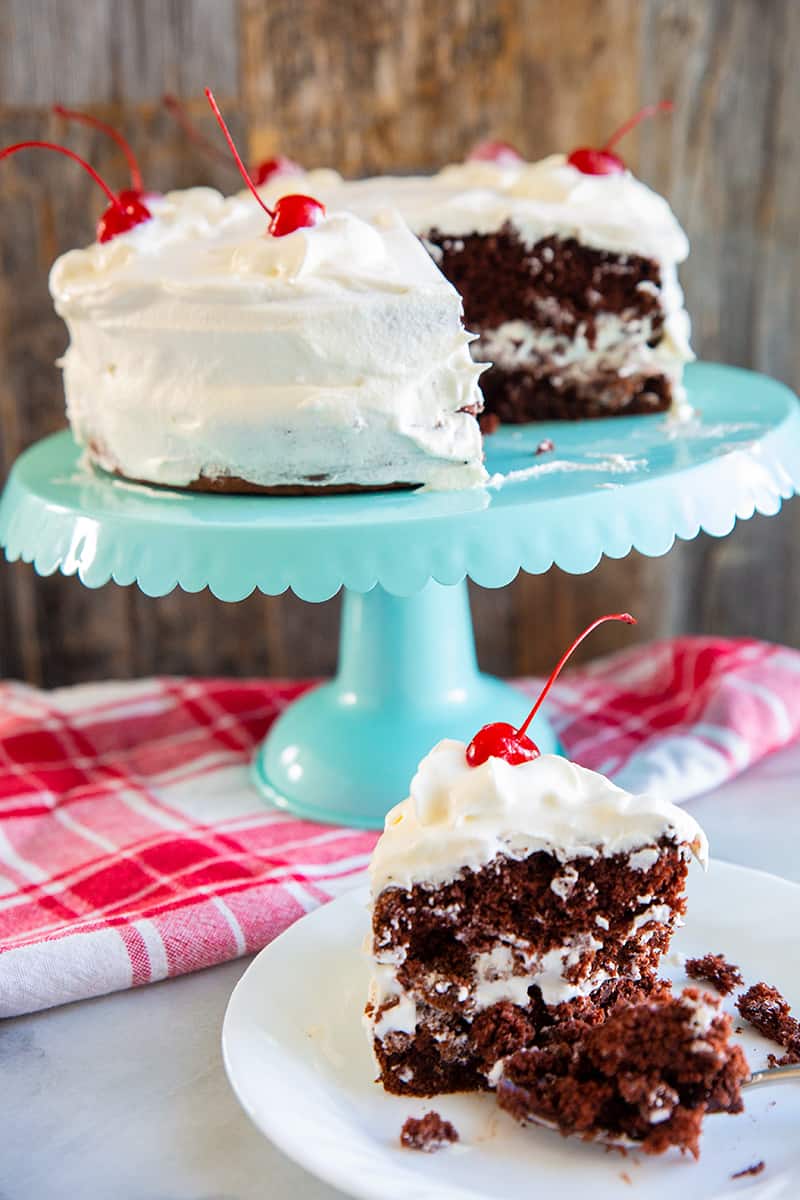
(297,1058)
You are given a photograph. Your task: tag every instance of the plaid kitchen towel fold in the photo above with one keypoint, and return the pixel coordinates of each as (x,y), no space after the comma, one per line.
(132,847)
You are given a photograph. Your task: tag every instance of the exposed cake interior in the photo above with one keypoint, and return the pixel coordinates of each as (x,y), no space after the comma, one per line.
(571,331)
(507,899)
(649,1074)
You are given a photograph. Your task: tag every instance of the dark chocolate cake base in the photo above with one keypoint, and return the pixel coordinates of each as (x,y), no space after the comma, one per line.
(234,485)
(520,396)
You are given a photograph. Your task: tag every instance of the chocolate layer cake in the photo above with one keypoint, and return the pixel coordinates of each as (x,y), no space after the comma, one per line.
(649,1074)
(508,899)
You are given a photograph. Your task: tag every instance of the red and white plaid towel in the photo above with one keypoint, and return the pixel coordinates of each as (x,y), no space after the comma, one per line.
(133,848)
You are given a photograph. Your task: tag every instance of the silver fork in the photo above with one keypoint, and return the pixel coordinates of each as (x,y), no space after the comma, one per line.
(772,1075)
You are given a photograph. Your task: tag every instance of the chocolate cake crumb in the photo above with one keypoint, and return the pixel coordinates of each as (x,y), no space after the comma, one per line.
(428,1134)
(790,1059)
(714,969)
(649,1073)
(765,1008)
(755,1169)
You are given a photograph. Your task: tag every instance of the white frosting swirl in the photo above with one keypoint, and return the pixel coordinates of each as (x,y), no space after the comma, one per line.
(459,816)
(609,212)
(335,354)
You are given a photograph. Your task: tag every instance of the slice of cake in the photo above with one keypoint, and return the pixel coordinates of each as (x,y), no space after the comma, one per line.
(513,891)
(568,272)
(649,1074)
(220,347)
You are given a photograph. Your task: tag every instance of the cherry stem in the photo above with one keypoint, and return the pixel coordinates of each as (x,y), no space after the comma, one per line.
(235,152)
(650,110)
(133,165)
(178,110)
(626,617)
(69,154)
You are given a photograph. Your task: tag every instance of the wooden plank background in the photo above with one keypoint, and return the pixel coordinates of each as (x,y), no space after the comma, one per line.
(369,85)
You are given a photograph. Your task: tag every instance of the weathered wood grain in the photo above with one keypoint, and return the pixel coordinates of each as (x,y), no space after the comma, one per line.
(403,84)
(731,167)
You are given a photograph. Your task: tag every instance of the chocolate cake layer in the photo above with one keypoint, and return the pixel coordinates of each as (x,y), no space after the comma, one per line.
(488,960)
(564,324)
(544,394)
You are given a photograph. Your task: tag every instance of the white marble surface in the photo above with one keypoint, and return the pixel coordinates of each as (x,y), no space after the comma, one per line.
(125,1097)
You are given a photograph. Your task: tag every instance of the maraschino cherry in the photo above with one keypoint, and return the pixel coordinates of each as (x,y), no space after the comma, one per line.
(124,211)
(137,190)
(604,161)
(290,212)
(261,173)
(501,740)
(502,154)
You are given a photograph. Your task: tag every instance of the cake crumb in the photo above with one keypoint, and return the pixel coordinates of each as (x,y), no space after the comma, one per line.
(716,970)
(428,1134)
(625,1177)
(545,447)
(790,1059)
(755,1169)
(765,1008)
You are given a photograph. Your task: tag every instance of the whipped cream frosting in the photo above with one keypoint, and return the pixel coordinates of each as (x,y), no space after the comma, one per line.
(201,346)
(459,816)
(541,199)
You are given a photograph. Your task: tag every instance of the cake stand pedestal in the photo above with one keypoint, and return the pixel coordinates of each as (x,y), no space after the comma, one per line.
(407,677)
(407,672)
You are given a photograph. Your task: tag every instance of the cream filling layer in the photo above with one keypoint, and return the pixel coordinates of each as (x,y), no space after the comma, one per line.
(506,973)
(619,347)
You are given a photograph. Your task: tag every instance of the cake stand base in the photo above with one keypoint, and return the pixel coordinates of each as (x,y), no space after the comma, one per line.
(345,753)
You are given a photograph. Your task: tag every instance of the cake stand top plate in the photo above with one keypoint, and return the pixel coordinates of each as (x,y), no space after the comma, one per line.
(606,487)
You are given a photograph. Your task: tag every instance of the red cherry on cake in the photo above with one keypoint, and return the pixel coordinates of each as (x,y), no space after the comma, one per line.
(279,165)
(503,154)
(501,740)
(136,191)
(604,161)
(295,212)
(290,212)
(120,216)
(596,162)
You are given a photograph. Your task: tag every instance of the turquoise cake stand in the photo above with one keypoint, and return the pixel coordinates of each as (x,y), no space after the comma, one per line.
(407,675)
